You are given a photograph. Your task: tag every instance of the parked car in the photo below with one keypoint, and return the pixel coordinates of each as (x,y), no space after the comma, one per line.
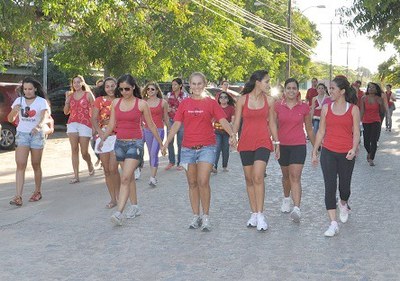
(8,94)
(57,101)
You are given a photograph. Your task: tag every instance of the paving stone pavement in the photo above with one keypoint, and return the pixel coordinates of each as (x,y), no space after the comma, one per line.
(68,234)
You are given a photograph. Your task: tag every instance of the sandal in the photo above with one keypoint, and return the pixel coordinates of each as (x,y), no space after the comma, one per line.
(73,181)
(111,205)
(36,196)
(17,201)
(92,171)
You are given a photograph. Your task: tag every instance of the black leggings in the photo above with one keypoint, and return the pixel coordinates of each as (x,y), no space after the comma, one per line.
(335,164)
(371,136)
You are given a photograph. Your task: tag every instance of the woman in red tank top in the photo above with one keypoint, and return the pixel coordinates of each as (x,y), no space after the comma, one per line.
(372,107)
(126,116)
(78,103)
(255,145)
(339,129)
(159,112)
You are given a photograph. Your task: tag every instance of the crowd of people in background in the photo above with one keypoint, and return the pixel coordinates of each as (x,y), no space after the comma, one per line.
(119,117)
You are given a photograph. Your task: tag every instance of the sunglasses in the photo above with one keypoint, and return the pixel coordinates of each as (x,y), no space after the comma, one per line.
(151,89)
(223,97)
(124,89)
(25,112)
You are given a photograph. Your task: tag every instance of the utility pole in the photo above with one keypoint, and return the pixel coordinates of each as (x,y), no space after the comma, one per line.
(330,56)
(347,59)
(45,69)
(289,46)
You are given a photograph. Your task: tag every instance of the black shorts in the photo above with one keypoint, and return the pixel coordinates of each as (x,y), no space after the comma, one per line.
(292,154)
(248,157)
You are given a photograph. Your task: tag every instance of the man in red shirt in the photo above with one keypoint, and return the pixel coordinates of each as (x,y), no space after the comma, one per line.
(312,92)
(356,85)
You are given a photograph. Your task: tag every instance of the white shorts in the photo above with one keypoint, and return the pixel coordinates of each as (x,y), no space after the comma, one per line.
(82,130)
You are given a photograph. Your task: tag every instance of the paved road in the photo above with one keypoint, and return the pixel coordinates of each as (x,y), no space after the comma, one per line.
(68,234)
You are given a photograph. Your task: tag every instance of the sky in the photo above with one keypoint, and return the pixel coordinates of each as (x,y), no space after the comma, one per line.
(361,49)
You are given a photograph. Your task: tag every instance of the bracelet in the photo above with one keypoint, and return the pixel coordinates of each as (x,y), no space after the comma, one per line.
(276,142)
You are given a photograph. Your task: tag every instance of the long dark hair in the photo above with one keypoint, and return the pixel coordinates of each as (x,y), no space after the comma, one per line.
(378,89)
(102,88)
(36,84)
(256,76)
(127,78)
(349,94)
(231,101)
(178,81)
(325,88)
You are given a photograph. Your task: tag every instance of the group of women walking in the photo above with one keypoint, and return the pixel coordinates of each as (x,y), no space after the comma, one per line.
(122,118)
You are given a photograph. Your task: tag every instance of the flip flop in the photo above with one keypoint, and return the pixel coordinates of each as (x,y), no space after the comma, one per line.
(36,196)
(73,181)
(91,173)
(111,205)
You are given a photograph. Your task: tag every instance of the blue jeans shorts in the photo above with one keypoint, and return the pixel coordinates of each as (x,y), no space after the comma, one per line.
(132,149)
(35,141)
(195,155)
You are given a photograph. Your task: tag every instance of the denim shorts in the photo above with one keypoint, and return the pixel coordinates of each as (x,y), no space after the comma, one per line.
(35,141)
(132,149)
(204,154)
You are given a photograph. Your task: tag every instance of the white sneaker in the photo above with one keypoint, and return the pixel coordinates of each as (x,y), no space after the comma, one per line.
(285,208)
(332,230)
(133,212)
(205,223)
(153,181)
(295,215)
(343,212)
(137,173)
(252,222)
(116,218)
(261,222)
(196,222)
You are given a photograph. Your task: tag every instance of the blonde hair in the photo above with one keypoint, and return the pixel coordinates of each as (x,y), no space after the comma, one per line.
(199,74)
(85,86)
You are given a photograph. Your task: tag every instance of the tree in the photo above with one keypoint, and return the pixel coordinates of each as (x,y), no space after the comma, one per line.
(152,39)
(379,19)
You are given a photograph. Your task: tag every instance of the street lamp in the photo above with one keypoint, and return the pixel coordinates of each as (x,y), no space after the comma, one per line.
(316,6)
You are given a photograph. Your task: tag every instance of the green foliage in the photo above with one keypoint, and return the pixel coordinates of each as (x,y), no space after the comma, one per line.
(379,19)
(152,39)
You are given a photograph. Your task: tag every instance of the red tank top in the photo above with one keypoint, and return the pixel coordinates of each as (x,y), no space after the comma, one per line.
(339,131)
(371,112)
(80,111)
(157,113)
(255,130)
(128,122)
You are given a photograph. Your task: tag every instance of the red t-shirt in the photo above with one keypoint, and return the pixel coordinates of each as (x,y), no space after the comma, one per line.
(197,116)
(255,130)
(339,130)
(104,107)
(157,113)
(290,122)
(127,123)
(312,92)
(371,112)
(229,112)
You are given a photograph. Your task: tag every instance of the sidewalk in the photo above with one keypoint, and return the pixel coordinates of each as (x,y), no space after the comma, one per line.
(68,234)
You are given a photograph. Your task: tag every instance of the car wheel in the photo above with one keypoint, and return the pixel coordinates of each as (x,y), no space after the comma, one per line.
(7,140)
